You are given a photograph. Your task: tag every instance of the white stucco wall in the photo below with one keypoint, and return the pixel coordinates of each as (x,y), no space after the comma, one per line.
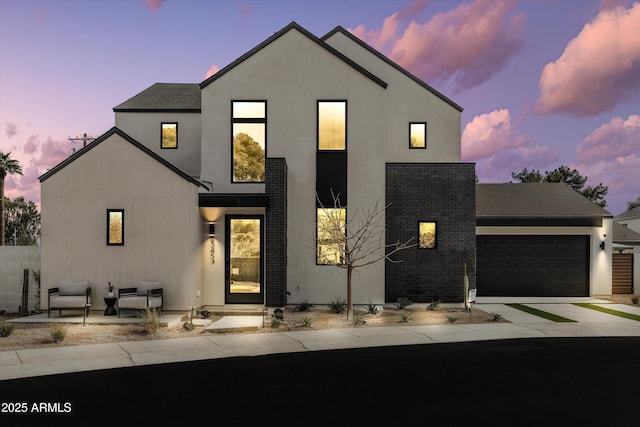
(146,129)
(163,228)
(292,74)
(600,263)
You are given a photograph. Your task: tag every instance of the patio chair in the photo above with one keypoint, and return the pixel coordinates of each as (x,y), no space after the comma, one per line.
(70,295)
(146,295)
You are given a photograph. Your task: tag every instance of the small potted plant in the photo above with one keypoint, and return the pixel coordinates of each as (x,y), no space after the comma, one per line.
(110,290)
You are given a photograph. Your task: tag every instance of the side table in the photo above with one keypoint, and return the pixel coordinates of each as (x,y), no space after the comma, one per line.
(111,302)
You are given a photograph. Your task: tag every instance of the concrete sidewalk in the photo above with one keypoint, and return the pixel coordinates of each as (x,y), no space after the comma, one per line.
(588,323)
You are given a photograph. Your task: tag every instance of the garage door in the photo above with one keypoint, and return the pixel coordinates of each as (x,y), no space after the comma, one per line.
(527,266)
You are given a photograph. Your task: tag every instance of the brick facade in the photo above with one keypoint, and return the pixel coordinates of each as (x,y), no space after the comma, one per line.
(440,192)
(276,232)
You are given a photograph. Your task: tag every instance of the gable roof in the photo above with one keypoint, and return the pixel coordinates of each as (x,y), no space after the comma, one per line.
(306,33)
(630,214)
(625,235)
(341,30)
(104,137)
(535,204)
(164,97)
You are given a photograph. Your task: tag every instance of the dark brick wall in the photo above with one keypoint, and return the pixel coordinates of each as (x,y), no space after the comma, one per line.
(276,232)
(441,192)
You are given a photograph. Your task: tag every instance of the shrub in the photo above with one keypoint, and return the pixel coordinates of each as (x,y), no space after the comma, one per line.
(404,317)
(402,303)
(338,306)
(452,319)
(275,322)
(58,332)
(496,317)
(635,299)
(6,328)
(371,308)
(188,326)
(433,306)
(151,321)
(357,321)
(306,321)
(278,314)
(304,306)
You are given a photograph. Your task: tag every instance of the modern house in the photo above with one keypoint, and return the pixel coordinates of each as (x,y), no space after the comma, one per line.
(626,252)
(222,190)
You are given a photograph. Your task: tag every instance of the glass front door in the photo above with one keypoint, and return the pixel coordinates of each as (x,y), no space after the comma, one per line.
(244,267)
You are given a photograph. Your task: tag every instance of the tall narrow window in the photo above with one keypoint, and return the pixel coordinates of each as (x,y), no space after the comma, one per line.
(417,135)
(332,125)
(169,138)
(427,235)
(249,140)
(115,227)
(331,223)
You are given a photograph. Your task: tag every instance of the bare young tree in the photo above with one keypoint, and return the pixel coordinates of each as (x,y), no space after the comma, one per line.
(355,242)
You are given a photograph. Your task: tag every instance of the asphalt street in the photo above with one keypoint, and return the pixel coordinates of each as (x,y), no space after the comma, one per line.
(515,382)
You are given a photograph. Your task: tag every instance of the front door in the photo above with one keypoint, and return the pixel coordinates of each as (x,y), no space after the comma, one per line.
(244,266)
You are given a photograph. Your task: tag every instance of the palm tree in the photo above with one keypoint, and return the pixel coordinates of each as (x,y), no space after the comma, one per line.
(7,166)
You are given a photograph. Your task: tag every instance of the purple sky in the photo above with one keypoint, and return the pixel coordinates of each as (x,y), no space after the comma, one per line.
(543,83)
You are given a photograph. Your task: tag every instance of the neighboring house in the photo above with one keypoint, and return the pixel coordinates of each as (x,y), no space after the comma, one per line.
(541,240)
(216,189)
(626,256)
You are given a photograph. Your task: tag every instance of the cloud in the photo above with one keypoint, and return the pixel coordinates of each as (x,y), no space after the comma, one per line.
(468,44)
(489,133)
(31,146)
(212,70)
(154,4)
(618,138)
(598,69)
(11,129)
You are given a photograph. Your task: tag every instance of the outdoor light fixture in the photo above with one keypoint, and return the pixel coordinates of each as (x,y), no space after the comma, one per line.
(210,230)
(602,245)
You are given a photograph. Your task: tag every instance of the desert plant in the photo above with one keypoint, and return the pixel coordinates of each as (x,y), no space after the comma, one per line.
(371,308)
(303,306)
(205,314)
(6,328)
(58,333)
(404,317)
(151,320)
(401,303)
(188,326)
(357,320)
(452,319)
(496,317)
(275,322)
(338,306)
(433,306)
(278,314)
(306,321)
(635,299)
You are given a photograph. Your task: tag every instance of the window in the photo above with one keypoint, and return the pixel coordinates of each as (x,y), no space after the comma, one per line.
(417,135)
(249,140)
(332,125)
(169,135)
(331,223)
(427,235)
(115,227)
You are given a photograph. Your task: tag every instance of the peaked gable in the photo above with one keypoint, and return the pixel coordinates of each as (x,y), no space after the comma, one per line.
(340,30)
(111,132)
(306,33)
(164,97)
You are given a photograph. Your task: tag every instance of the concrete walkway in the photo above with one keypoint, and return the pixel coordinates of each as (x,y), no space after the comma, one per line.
(588,323)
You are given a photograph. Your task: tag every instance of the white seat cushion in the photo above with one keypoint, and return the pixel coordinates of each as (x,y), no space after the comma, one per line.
(68,301)
(139,302)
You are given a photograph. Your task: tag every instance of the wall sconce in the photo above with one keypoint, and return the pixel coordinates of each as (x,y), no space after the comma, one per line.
(602,245)
(210,231)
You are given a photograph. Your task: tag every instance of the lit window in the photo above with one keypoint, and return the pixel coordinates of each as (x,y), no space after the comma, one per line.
(332,125)
(427,234)
(331,223)
(169,135)
(417,135)
(115,227)
(249,140)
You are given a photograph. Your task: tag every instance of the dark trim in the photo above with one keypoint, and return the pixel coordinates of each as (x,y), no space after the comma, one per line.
(157,110)
(242,298)
(109,211)
(340,29)
(425,135)
(235,120)
(277,35)
(235,200)
(538,222)
(161,136)
(436,231)
(104,137)
(346,123)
